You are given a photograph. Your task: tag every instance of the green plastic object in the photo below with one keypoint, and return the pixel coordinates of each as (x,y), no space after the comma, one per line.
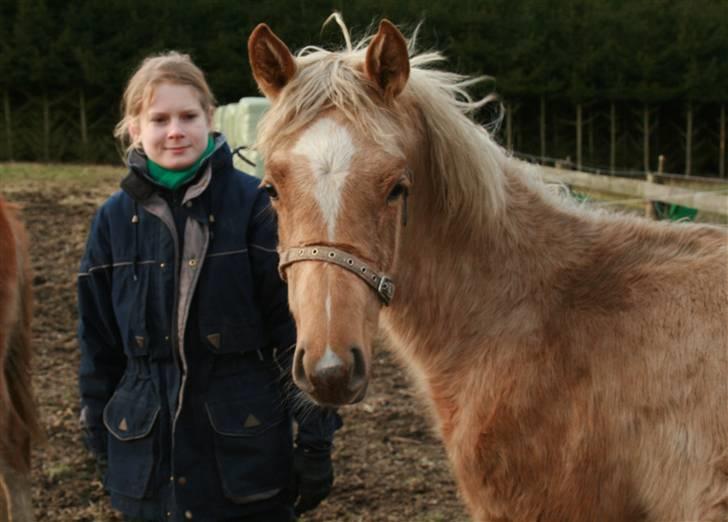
(239,123)
(672,212)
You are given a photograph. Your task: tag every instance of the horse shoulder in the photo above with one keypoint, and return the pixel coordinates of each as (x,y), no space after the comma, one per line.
(526,442)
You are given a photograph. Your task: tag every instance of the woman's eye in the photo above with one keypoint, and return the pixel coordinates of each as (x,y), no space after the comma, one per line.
(271,190)
(398,190)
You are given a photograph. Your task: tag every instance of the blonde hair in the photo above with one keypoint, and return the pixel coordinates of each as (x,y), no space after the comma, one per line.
(171,67)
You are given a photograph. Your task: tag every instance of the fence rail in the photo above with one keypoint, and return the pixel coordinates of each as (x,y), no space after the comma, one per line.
(714,200)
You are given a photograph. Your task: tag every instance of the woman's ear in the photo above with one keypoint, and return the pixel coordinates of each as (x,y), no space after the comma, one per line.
(134,130)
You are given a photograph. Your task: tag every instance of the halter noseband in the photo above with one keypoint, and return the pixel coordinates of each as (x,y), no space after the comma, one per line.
(380,283)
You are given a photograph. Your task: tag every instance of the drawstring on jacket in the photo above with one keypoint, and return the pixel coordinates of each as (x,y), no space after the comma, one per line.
(210,215)
(135,223)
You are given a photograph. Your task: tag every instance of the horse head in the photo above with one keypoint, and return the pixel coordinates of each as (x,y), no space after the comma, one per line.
(338,178)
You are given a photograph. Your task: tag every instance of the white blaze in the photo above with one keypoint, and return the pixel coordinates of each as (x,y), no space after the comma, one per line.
(328,361)
(329,149)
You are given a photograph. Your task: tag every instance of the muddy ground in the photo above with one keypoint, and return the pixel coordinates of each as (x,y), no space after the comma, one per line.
(389,465)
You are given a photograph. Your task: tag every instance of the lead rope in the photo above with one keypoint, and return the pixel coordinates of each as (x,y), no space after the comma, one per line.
(236,152)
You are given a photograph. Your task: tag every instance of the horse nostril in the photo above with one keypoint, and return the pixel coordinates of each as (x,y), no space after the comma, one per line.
(299,372)
(358,377)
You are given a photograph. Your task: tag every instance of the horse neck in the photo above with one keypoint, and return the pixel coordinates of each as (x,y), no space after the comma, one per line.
(461,281)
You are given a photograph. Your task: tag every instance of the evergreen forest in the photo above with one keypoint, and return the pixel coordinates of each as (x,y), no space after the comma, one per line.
(607,85)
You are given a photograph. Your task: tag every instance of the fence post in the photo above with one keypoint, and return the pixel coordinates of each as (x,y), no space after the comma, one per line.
(649,206)
(509,127)
(721,146)
(83,125)
(8,125)
(46,129)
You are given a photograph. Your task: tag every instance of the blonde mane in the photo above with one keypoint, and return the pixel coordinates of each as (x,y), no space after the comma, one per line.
(465,165)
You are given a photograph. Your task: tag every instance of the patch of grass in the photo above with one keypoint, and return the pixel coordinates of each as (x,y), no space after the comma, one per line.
(58,472)
(19,172)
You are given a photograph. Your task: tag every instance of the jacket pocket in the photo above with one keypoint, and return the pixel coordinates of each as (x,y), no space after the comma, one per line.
(130,417)
(229,337)
(253,447)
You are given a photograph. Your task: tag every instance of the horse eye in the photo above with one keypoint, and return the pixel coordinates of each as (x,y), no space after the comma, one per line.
(271,190)
(396,192)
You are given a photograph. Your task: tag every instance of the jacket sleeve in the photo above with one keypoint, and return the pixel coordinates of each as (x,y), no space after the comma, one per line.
(316,425)
(102,356)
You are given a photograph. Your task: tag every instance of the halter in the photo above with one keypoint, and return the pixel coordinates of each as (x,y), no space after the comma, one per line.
(379,282)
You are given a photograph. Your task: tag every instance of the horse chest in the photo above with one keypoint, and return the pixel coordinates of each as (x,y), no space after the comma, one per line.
(529,466)
(511,480)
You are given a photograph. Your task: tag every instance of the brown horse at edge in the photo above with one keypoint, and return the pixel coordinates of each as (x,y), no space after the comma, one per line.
(18,415)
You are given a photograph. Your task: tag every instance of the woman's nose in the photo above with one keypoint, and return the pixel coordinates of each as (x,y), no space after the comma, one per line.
(175,130)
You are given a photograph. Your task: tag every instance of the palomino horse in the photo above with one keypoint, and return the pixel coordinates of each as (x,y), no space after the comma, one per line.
(576,362)
(18,422)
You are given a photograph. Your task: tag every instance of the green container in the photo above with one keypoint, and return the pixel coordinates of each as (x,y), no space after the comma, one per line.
(239,123)
(674,212)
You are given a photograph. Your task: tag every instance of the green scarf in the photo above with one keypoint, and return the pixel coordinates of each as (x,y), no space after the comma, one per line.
(173,179)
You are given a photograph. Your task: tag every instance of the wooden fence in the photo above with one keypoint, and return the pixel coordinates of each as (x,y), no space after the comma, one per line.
(713,199)
(238,122)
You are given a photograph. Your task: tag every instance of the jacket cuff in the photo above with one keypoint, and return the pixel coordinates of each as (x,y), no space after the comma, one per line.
(94,434)
(96,443)
(316,430)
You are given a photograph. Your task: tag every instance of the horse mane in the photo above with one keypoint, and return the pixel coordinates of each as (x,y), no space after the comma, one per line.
(465,164)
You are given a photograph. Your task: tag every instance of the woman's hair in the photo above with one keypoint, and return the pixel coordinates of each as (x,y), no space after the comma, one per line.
(170,67)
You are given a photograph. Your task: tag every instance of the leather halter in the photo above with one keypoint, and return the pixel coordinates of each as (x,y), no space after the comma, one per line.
(379,282)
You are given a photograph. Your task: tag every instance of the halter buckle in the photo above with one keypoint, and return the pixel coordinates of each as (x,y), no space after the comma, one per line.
(385,289)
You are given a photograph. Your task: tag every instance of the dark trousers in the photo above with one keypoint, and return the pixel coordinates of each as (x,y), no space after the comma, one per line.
(275,514)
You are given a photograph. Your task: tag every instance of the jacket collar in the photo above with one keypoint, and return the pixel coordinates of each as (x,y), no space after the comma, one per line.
(139,185)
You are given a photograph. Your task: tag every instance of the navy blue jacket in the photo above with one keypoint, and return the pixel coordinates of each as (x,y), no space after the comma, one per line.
(186,344)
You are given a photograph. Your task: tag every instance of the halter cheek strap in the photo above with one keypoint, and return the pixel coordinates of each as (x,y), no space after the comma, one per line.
(379,282)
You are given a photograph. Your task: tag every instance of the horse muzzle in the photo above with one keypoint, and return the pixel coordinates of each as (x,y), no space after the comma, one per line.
(330,379)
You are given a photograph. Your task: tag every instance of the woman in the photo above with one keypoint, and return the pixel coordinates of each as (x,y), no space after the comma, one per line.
(184,328)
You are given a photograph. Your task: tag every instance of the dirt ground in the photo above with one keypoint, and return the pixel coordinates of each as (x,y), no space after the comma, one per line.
(389,465)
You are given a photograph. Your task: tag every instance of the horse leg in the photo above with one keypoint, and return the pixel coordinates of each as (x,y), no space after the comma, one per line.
(15,495)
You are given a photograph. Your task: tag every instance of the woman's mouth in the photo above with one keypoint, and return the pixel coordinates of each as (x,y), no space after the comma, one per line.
(178,150)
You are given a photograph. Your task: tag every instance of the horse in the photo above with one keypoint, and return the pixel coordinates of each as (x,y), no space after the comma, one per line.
(575,361)
(18,416)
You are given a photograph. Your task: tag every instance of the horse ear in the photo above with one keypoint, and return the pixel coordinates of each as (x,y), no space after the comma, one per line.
(272,63)
(387,61)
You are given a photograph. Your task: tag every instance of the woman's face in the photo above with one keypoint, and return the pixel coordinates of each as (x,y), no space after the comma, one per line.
(173,128)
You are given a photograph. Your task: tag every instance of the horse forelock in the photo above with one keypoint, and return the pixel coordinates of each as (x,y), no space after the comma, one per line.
(464,162)
(327,80)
